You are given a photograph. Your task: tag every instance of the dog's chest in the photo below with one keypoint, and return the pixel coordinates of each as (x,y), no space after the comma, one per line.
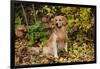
(60,36)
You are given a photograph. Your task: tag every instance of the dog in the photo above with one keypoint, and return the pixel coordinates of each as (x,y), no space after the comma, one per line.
(58,39)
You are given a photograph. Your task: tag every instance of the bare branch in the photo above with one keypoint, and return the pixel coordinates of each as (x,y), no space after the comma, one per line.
(34,12)
(24,16)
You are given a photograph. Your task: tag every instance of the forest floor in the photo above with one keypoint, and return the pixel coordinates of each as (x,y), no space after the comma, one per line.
(25,55)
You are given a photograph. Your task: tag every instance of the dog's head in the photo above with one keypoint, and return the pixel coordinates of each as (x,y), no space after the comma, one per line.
(60,21)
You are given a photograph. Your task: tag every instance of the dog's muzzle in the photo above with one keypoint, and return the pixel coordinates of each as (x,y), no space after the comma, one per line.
(58,25)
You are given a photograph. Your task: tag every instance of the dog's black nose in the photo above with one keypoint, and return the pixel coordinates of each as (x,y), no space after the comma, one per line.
(56,24)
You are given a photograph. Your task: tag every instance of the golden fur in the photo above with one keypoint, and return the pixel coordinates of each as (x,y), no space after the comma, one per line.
(58,39)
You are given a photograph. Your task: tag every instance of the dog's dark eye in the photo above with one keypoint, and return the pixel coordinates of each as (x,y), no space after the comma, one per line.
(59,19)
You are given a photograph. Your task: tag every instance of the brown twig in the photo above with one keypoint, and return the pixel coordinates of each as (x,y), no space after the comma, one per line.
(24,14)
(34,12)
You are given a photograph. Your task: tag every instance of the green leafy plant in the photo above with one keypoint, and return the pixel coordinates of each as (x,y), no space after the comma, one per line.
(37,34)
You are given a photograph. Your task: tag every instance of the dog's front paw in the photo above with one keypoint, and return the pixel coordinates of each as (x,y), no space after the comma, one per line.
(56,56)
(66,50)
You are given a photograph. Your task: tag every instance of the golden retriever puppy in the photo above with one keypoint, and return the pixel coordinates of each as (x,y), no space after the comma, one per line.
(58,39)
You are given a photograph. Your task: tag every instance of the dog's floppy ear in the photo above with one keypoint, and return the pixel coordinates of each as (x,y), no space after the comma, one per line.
(52,23)
(65,20)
